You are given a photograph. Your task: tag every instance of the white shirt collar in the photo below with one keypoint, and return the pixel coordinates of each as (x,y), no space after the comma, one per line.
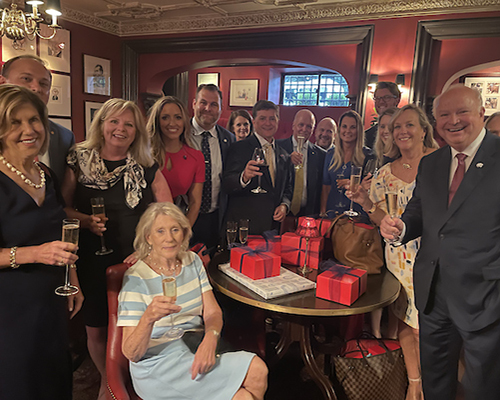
(263,141)
(471,150)
(198,130)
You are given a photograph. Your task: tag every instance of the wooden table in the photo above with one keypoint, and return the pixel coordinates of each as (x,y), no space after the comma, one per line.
(303,309)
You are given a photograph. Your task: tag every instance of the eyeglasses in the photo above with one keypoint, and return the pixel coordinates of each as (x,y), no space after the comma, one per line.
(385,98)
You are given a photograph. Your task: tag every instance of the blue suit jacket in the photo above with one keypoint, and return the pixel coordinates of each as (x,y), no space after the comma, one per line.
(315,161)
(462,239)
(60,141)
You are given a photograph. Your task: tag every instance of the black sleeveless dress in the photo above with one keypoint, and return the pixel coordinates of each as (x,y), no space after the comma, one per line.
(34,356)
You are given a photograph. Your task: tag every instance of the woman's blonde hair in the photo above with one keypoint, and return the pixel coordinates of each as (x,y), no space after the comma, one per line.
(143,229)
(154,129)
(380,147)
(338,155)
(12,97)
(429,142)
(140,149)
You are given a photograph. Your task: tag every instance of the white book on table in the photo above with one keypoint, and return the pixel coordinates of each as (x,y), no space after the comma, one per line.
(269,288)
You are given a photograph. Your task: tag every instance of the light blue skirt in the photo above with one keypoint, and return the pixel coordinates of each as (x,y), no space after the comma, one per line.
(167,376)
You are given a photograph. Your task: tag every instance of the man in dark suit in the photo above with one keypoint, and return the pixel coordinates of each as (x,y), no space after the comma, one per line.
(308,173)
(264,210)
(213,141)
(456,275)
(386,95)
(30,71)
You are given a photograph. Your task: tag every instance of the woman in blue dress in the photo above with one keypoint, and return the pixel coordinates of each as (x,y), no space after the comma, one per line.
(163,368)
(348,151)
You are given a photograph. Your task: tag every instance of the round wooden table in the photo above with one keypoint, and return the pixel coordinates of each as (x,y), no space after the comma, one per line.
(302,309)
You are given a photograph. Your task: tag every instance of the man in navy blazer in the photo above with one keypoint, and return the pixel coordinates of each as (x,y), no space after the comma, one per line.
(457,269)
(264,210)
(305,201)
(30,71)
(207,107)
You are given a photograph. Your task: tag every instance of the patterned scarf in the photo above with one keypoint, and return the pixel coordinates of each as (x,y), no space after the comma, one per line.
(92,173)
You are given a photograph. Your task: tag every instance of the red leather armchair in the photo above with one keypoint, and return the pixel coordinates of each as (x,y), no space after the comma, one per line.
(117,371)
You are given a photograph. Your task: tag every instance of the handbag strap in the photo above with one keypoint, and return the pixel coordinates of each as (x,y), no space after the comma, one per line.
(368,335)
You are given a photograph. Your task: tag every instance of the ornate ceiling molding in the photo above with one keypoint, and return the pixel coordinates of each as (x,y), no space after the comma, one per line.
(309,15)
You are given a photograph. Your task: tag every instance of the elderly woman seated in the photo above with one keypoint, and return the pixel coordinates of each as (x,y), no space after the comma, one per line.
(163,368)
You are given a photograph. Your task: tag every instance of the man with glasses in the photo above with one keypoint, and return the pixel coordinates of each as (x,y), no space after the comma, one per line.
(387,95)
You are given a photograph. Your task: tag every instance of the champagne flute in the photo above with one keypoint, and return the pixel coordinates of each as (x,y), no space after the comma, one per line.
(169,285)
(301,141)
(391,200)
(243,231)
(231,232)
(98,210)
(258,155)
(353,187)
(70,233)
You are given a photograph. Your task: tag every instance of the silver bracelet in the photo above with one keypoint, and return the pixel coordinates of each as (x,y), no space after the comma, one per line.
(13,251)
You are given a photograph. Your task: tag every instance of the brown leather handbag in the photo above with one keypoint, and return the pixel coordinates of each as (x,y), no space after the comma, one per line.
(357,245)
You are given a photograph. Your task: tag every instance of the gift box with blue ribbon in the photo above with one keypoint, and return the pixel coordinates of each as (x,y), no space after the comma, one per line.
(341,284)
(269,239)
(255,263)
(293,250)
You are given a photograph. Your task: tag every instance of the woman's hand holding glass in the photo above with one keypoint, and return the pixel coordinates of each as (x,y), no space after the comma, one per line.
(160,307)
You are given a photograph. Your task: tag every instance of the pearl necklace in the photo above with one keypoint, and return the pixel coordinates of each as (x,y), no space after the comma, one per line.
(25,179)
(162,269)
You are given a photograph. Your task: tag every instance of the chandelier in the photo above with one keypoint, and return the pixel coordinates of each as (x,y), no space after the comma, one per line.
(18,25)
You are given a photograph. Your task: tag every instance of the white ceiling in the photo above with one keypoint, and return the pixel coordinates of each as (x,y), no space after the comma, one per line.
(131,18)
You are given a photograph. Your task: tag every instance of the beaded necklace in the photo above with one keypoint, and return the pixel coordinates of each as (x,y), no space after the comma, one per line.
(25,179)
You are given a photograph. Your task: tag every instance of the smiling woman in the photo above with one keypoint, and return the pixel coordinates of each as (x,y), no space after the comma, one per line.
(114,163)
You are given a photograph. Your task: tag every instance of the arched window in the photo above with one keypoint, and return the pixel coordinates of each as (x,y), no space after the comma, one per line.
(314,89)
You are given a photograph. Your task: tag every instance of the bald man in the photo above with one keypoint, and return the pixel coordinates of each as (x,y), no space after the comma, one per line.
(456,275)
(325,132)
(308,164)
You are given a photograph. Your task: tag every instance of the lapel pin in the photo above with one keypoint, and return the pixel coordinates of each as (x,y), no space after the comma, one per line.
(225,140)
(479,165)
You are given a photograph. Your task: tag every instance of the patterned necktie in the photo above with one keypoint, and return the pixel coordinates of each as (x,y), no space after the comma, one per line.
(206,198)
(457,178)
(298,188)
(269,154)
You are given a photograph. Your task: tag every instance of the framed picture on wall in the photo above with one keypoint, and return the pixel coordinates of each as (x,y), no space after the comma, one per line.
(56,51)
(60,96)
(91,108)
(207,78)
(243,92)
(23,46)
(489,87)
(96,75)
(66,122)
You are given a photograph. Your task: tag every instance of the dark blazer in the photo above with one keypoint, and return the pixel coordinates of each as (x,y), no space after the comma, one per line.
(463,239)
(60,141)
(370,135)
(315,160)
(242,203)
(226,138)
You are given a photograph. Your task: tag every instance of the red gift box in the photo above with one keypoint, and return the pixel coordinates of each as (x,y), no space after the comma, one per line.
(255,264)
(323,225)
(257,241)
(201,250)
(341,284)
(293,250)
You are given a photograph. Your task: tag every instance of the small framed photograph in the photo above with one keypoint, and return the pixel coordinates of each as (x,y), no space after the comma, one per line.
(489,87)
(66,122)
(56,51)
(91,109)
(207,78)
(96,75)
(243,92)
(60,96)
(21,47)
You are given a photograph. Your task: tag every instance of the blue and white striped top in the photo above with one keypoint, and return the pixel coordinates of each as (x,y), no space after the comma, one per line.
(141,284)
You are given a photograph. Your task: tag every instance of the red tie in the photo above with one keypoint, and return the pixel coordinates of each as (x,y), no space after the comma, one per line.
(457,178)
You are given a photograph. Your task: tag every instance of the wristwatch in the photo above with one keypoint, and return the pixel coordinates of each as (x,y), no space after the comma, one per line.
(372,210)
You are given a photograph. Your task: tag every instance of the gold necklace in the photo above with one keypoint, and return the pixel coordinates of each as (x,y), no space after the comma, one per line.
(25,179)
(406,166)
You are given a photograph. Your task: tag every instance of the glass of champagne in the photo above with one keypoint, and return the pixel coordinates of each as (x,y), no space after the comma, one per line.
(98,210)
(231,232)
(301,141)
(353,187)
(70,233)
(243,231)
(169,285)
(391,200)
(258,155)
